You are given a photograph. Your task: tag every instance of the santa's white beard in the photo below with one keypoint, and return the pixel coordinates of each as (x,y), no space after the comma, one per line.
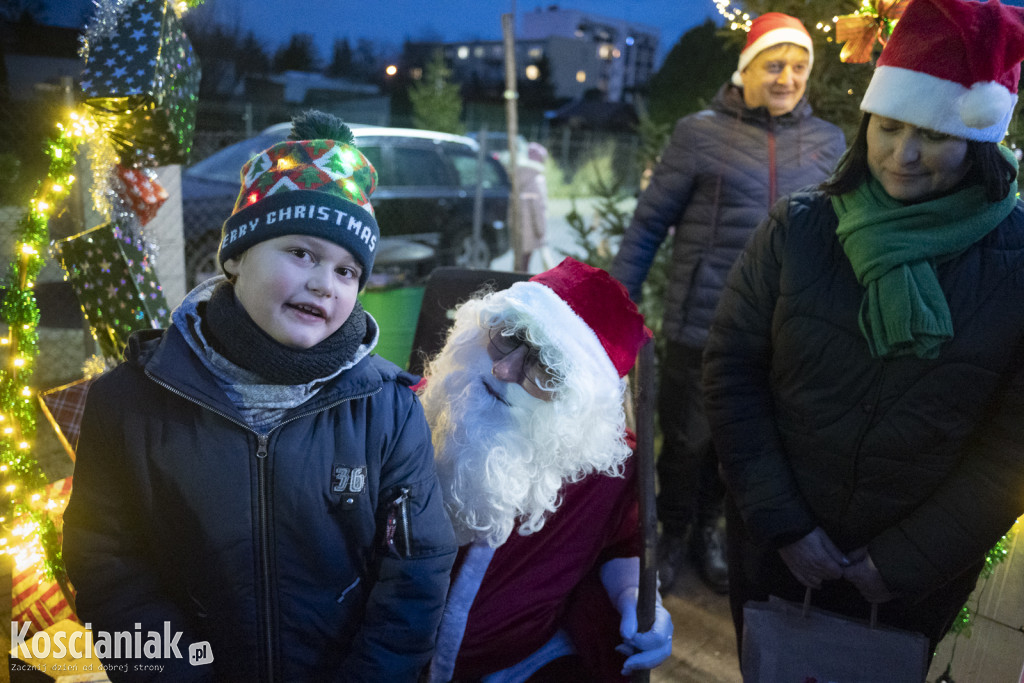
(500,461)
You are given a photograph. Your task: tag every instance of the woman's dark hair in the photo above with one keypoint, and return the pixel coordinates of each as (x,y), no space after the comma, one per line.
(988,167)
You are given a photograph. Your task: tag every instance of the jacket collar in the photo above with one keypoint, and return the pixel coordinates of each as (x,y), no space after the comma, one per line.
(729,101)
(167,358)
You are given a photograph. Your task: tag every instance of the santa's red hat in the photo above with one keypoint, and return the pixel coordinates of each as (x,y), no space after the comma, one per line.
(771,29)
(585,312)
(951,66)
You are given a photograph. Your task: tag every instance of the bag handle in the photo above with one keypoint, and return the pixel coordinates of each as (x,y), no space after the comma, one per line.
(807,607)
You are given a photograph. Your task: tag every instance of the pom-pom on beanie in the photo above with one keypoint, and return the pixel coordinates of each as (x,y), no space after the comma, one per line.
(315,183)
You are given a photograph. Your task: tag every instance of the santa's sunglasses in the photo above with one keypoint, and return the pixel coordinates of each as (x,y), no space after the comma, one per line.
(539,377)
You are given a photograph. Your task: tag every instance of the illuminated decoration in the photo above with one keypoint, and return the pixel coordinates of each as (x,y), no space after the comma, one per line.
(738,19)
(29,509)
(33,538)
(142,82)
(874,20)
(995,556)
(39,599)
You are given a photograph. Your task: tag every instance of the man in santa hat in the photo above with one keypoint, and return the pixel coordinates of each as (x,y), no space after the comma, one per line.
(525,403)
(720,173)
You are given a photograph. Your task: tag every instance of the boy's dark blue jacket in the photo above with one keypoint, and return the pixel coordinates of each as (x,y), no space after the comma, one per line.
(318,551)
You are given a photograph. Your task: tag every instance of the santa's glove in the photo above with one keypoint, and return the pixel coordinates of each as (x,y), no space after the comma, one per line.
(621,579)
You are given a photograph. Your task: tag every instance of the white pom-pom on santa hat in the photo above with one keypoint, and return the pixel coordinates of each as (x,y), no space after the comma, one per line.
(985,104)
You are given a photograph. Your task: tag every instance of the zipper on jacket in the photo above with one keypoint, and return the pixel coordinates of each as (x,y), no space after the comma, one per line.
(264,536)
(263,530)
(403,516)
(772,185)
(398,521)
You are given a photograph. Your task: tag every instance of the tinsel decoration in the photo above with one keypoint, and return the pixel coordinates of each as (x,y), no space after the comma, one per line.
(21,475)
(30,536)
(873,21)
(994,557)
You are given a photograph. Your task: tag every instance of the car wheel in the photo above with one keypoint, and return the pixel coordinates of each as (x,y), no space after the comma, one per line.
(471,252)
(201,260)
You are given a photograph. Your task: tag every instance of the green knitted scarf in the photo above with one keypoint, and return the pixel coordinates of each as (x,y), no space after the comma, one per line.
(894,247)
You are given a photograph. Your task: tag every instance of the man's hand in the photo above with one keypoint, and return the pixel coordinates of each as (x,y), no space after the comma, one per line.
(814,558)
(865,576)
(643,650)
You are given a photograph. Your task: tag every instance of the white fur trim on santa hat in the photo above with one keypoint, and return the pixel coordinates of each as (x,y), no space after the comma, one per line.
(938,104)
(551,318)
(779,36)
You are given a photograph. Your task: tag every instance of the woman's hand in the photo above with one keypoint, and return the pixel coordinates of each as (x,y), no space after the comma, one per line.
(814,558)
(863,574)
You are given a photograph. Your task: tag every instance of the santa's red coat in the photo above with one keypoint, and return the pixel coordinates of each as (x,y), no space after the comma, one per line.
(539,583)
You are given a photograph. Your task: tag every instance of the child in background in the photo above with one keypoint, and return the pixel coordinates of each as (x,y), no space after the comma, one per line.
(253,478)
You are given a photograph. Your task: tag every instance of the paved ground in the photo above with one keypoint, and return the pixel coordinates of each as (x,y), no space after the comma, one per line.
(703,643)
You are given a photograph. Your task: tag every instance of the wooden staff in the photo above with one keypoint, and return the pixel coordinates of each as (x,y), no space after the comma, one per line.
(644,406)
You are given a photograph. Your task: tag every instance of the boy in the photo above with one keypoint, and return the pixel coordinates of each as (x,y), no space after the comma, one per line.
(252,478)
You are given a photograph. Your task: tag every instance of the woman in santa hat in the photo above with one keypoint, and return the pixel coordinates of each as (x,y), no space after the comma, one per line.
(864,376)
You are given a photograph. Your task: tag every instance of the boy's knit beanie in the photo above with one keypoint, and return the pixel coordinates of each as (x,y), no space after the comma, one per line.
(315,183)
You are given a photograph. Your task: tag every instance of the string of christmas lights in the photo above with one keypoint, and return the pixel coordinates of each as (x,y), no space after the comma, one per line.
(28,533)
(30,536)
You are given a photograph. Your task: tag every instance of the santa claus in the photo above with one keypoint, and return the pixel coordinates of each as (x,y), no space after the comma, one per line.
(525,403)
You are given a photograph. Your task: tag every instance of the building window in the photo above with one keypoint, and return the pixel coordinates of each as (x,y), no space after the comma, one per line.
(532,72)
(536,53)
(581,76)
(478,51)
(463,52)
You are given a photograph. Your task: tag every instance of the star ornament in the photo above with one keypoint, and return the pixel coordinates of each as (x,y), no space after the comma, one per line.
(873,21)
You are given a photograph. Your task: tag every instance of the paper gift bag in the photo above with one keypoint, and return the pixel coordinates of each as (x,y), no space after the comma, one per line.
(785,642)
(113,276)
(142,83)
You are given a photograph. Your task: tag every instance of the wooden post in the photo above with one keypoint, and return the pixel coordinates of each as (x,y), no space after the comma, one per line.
(508,29)
(644,406)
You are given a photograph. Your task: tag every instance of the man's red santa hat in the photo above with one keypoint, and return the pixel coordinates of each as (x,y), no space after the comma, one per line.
(584,312)
(767,31)
(951,66)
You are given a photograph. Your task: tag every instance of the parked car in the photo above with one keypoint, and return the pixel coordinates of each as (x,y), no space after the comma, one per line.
(424,202)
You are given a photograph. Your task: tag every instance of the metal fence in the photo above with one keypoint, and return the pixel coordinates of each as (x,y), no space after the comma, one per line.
(26,126)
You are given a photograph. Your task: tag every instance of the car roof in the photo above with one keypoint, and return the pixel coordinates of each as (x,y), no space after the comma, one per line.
(367,130)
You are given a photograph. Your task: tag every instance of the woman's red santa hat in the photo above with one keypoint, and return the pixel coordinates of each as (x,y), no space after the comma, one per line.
(584,312)
(951,66)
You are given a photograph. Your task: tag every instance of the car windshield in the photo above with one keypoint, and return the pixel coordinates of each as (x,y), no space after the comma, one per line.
(226,164)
